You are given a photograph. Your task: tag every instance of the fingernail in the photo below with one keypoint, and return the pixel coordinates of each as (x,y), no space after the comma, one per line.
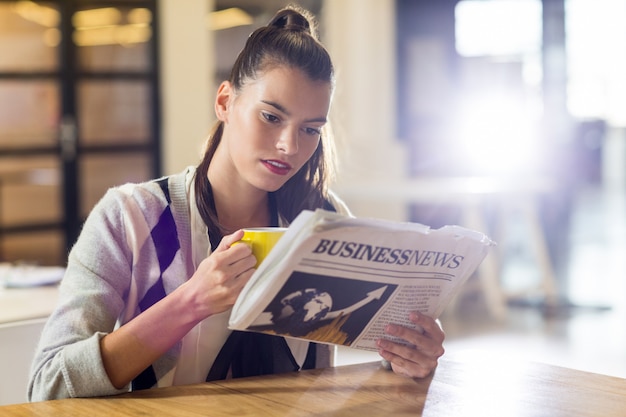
(391,329)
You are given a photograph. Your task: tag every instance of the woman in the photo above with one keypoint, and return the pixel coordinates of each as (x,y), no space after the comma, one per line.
(149,283)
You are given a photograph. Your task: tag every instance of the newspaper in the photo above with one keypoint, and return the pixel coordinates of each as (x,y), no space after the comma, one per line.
(340,280)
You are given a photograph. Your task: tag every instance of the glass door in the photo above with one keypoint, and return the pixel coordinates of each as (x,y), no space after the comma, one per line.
(78,114)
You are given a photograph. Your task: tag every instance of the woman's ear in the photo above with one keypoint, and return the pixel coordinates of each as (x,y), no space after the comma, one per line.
(222,100)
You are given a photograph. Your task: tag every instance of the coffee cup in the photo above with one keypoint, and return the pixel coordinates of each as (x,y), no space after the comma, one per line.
(261,240)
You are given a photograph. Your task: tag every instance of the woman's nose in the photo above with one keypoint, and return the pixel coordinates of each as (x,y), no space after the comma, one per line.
(288,141)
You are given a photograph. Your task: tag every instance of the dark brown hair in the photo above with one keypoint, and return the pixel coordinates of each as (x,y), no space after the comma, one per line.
(289,39)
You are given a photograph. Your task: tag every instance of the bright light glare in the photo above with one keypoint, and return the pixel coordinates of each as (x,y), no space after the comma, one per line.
(107,16)
(497,122)
(596,61)
(497,136)
(103,27)
(502,27)
(228,18)
(113,35)
(43,15)
(139,16)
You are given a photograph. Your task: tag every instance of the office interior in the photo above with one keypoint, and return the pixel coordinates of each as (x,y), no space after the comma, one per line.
(502,115)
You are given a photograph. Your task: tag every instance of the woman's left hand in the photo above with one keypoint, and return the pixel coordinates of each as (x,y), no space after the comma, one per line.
(420,359)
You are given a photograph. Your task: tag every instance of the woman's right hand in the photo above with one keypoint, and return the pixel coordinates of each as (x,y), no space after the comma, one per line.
(221,276)
(212,289)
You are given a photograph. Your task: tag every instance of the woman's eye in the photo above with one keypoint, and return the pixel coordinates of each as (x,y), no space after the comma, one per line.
(312,131)
(270,117)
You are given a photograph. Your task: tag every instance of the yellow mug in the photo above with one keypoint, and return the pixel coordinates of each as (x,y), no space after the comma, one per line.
(261,240)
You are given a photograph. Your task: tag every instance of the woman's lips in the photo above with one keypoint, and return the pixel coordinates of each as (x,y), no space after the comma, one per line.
(277,167)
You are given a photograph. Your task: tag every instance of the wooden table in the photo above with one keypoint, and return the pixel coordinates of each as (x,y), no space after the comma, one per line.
(363,390)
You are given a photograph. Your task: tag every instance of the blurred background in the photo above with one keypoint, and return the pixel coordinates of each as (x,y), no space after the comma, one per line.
(502,115)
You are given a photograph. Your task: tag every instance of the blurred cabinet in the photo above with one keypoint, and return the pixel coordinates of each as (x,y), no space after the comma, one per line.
(79,113)
(23,313)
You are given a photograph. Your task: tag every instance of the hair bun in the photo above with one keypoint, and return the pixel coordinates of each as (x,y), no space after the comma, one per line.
(293,19)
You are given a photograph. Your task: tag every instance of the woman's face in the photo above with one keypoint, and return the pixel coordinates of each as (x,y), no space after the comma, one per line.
(271,126)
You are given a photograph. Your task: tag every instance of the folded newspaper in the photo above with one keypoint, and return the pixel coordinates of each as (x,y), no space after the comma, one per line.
(339,280)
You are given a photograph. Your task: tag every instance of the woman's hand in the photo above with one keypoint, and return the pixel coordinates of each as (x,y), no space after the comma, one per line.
(221,276)
(212,289)
(419,359)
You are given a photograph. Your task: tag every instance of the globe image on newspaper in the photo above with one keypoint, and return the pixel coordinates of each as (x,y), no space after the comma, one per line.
(301,311)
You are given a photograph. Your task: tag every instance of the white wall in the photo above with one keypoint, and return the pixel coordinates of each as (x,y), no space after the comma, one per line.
(360,36)
(187,65)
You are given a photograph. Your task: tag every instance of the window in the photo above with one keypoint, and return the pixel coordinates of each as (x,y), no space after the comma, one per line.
(79,110)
